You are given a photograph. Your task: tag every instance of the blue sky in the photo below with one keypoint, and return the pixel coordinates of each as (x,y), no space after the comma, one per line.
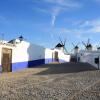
(44,21)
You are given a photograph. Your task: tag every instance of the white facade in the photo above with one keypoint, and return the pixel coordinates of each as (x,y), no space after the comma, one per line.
(25,55)
(89,57)
(50,56)
(27,52)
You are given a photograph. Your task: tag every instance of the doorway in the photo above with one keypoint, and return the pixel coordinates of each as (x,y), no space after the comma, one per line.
(56,56)
(6,60)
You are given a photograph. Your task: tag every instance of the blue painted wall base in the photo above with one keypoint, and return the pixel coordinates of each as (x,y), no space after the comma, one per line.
(30,64)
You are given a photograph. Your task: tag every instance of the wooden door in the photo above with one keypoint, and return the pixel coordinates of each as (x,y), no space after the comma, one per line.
(6,60)
(56,56)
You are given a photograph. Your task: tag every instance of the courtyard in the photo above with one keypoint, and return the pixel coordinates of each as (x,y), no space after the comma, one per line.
(69,81)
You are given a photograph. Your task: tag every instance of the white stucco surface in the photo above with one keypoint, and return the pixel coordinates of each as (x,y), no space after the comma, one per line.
(89,57)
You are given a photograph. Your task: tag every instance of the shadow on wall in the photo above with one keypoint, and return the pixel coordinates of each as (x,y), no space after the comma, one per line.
(36,55)
(66,68)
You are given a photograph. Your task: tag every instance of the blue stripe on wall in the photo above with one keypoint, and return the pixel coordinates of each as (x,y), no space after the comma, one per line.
(30,64)
(21,65)
(50,60)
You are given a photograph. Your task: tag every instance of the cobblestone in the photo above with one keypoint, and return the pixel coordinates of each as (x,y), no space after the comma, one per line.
(51,87)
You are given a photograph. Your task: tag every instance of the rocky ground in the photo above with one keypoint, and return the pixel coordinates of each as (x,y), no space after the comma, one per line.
(29,84)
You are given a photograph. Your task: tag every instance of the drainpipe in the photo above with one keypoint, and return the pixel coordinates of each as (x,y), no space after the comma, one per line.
(98,63)
(76,57)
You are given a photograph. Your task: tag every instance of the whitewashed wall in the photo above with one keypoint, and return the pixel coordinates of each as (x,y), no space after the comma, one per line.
(89,57)
(62,57)
(49,56)
(27,52)
(25,55)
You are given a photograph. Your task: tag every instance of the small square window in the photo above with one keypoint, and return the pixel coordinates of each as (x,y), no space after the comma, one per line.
(96,60)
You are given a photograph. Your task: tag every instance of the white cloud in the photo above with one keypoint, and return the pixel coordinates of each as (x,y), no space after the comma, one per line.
(83,30)
(55,12)
(95,29)
(62,5)
(84,24)
(91,26)
(55,7)
(53,20)
(87,26)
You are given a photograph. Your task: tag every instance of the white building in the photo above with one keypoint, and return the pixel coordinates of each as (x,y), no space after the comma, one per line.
(18,54)
(56,55)
(90,56)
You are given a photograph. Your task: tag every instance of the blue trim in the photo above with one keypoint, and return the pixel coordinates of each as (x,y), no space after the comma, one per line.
(30,64)
(50,60)
(36,62)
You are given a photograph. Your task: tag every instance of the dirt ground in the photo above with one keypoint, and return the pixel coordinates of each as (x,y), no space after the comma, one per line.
(69,81)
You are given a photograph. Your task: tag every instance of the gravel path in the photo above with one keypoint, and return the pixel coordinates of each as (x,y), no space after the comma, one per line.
(26,85)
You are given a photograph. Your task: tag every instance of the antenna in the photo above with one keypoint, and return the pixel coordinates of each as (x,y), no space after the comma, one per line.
(2,36)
